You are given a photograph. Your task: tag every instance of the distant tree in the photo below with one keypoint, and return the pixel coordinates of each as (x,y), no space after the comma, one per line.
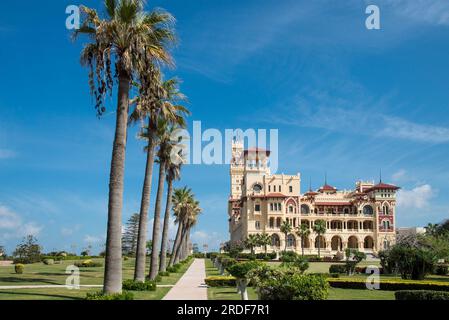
(320,228)
(264,241)
(286,228)
(431,228)
(303,233)
(84,253)
(149,247)
(130,235)
(2,252)
(29,251)
(251,242)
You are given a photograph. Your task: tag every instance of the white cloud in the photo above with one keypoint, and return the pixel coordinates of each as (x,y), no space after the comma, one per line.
(7,154)
(434,12)
(13,226)
(399,175)
(416,198)
(68,231)
(93,239)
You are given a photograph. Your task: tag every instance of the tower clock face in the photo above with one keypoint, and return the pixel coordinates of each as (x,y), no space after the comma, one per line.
(257,187)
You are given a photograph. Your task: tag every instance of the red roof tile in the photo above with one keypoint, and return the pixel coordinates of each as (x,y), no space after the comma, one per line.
(382,186)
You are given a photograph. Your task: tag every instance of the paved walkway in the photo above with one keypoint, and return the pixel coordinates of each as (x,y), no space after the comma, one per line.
(191,286)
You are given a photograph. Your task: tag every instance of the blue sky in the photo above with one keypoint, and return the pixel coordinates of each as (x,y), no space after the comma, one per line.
(345,99)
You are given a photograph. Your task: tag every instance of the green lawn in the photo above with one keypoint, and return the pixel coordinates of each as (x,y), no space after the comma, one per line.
(41,274)
(229,293)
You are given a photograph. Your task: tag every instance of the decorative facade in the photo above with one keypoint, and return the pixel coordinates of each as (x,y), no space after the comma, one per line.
(362,218)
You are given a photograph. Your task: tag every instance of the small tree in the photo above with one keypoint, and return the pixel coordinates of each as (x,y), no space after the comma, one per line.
(264,241)
(130,234)
(240,272)
(29,251)
(2,252)
(251,242)
(320,228)
(286,228)
(353,257)
(303,233)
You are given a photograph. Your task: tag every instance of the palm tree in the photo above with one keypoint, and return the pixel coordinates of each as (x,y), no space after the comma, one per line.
(264,240)
(125,38)
(320,228)
(286,228)
(303,232)
(193,210)
(173,173)
(157,106)
(181,198)
(251,242)
(431,228)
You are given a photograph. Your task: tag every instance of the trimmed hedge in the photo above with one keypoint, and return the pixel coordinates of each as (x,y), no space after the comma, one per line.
(421,295)
(88,264)
(139,286)
(220,281)
(391,285)
(337,268)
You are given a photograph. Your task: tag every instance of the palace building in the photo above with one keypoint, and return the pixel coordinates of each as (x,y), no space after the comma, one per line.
(362,218)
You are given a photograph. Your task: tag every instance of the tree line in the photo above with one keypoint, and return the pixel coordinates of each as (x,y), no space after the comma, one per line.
(127,49)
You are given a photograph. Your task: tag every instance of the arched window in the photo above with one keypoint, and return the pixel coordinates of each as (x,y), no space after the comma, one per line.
(271,223)
(368,210)
(275,241)
(386,210)
(305,209)
(368,243)
(386,224)
(291,241)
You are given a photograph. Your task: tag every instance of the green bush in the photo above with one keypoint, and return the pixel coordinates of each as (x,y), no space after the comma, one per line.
(421,295)
(164,273)
(288,256)
(241,269)
(125,295)
(171,269)
(390,285)
(199,255)
(125,258)
(18,268)
(337,268)
(88,264)
(48,261)
(441,269)
(293,286)
(139,286)
(220,281)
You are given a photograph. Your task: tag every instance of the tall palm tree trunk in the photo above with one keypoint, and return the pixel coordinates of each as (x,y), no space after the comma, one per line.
(141,253)
(176,243)
(163,260)
(113,259)
(182,243)
(156,223)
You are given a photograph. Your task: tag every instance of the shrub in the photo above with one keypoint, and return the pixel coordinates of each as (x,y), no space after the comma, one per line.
(164,273)
(441,269)
(125,295)
(199,255)
(412,262)
(88,264)
(337,268)
(293,286)
(241,269)
(139,286)
(421,295)
(125,258)
(18,268)
(171,269)
(288,256)
(390,285)
(48,261)
(220,281)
